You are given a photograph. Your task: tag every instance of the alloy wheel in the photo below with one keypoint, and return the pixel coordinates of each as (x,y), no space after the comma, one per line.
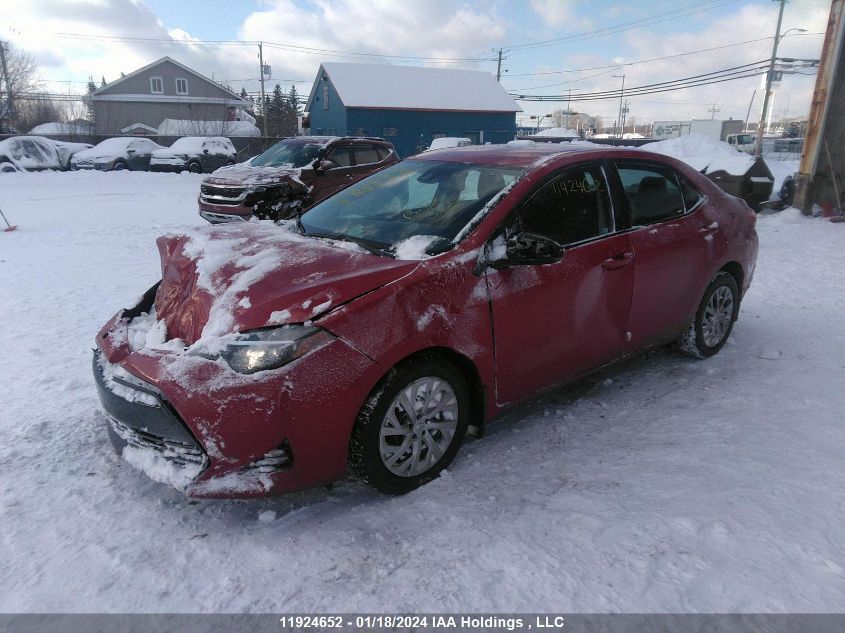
(419,426)
(716,320)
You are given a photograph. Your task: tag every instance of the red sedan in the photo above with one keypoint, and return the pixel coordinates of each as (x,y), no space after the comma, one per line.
(368,335)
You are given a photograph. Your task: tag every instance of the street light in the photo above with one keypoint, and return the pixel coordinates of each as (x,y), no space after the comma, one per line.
(758,146)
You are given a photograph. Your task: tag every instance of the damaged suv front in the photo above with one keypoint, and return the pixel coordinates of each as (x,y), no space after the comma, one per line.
(290,177)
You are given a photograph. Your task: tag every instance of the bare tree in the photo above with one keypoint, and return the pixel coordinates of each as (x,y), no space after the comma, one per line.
(21,75)
(559,118)
(32,112)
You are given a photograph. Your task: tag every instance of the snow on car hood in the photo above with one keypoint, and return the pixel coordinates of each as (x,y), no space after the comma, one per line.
(243,174)
(219,280)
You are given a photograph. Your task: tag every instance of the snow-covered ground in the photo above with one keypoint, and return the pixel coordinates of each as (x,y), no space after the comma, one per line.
(665,485)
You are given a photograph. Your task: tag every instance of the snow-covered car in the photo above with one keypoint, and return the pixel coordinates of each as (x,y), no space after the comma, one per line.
(66,151)
(120,152)
(28,153)
(370,333)
(196,154)
(445,142)
(290,176)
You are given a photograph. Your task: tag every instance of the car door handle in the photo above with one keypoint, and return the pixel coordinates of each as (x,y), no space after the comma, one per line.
(350,177)
(709,229)
(618,261)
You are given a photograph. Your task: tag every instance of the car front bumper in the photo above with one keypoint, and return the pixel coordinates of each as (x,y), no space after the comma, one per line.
(198,425)
(168,164)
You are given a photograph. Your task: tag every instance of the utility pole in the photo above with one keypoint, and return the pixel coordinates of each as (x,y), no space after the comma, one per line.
(263,99)
(713,110)
(758,147)
(10,103)
(621,94)
(748,113)
(499,66)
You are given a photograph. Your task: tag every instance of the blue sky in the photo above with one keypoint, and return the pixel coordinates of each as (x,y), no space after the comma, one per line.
(442,29)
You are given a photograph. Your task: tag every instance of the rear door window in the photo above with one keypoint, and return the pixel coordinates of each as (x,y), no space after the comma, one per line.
(652,191)
(366,155)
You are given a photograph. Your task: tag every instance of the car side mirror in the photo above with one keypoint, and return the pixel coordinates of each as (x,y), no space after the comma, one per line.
(527,249)
(323,166)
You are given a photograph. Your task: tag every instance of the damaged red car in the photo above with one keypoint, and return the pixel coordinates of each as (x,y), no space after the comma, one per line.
(372,333)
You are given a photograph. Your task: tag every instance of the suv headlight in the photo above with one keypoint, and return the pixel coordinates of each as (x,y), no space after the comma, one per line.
(260,350)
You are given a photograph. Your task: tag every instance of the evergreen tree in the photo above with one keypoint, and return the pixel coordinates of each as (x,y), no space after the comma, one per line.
(90,105)
(293,99)
(103,82)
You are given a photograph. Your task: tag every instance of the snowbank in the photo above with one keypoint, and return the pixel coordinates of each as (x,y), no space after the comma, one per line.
(558,131)
(185,127)
(703,153)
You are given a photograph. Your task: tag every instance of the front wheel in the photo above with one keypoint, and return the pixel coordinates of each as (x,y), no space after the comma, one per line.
(120,166)
(714,319)
(194,167)
(412,427)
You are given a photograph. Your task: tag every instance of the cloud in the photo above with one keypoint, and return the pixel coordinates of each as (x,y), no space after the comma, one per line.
(748,22)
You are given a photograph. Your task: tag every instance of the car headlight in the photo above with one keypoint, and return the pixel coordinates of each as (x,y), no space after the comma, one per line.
(260,350)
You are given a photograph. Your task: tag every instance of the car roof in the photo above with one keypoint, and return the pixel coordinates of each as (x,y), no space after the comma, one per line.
(525,153)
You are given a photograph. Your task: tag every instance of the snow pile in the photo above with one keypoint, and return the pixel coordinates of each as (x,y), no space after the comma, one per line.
(184,127)
(562,132)
(703,153)
(63,128)
(414,247)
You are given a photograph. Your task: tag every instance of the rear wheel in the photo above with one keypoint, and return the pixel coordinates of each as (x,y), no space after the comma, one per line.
(120,166)
(6,167)
(412,427)
(714,319)
(194,167)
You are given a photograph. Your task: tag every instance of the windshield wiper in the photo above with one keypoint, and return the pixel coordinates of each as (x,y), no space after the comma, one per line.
(376,248)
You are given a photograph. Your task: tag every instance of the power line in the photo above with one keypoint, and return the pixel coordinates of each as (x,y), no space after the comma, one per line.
(624,26)
(652,59)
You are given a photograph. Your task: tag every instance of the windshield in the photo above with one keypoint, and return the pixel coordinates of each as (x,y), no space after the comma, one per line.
(288,153)
(744,139)
(430,198)
(188,144)
(117,144)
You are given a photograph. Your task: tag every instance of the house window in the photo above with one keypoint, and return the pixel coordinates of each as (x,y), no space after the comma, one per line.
(181,86)
(156,85)
(325,97)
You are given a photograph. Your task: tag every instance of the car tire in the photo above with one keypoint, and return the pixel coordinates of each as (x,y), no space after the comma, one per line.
(230,162)
(194,167)
(120,166)
(396,452)
(7,168)
(714,319)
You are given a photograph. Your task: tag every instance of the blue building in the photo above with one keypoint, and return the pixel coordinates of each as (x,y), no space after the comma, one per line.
(410,105)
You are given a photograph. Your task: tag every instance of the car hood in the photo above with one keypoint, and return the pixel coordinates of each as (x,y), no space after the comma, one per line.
(223,279)
(252,175)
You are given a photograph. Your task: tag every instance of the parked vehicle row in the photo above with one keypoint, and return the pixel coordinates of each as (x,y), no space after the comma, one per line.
(371,333)
(195,154)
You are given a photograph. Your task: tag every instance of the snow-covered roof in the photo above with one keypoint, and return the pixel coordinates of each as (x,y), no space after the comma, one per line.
(56,127)
(414,88)
(558,131)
